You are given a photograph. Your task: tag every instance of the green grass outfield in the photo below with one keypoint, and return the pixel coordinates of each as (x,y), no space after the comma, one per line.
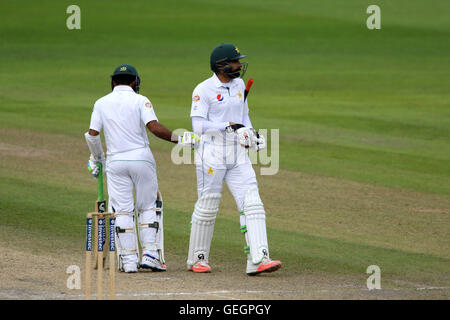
(364,119)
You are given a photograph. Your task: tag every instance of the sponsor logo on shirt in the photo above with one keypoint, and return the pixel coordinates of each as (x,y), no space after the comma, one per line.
(219,97)
(196,98)
(148,104)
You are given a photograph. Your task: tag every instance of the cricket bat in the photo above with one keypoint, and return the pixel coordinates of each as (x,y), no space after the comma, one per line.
(100,207)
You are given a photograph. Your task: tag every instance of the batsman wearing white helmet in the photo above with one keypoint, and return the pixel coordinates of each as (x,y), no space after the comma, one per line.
(219,114)
(124,115)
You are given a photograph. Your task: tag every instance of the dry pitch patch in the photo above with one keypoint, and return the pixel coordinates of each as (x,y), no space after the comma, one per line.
(33,266)
(26,275)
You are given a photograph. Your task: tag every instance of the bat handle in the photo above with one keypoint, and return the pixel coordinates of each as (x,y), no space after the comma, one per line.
(101,196)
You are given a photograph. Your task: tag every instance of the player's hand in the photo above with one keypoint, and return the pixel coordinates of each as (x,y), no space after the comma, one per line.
(189,139)
(246,137)
(259,141)
(93,168)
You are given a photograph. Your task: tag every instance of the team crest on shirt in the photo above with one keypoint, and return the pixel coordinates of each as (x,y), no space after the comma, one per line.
(196,98)
(240,95)
(148,104)
(219,97)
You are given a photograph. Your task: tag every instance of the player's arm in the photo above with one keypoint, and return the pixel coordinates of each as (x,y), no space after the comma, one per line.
(188,138)
(94,142)
(150,120)
(161,131)
(200,125)
(95,146)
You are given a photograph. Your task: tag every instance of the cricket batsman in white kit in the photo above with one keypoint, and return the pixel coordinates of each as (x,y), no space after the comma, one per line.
(124,115)
(219,114)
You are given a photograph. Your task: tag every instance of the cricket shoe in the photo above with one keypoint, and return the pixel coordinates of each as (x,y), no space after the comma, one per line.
(266,265)
(150,262)
(200,267)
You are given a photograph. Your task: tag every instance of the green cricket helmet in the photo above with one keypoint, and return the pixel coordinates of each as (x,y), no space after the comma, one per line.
(224,53)
(126,69)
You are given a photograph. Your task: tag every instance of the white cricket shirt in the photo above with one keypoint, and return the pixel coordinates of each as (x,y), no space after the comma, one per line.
(221,103)
(123,114)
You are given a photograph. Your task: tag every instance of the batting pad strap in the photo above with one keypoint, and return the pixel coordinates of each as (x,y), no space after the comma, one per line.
(126,241)
(151,246)
(159,206)
(124,230)
(150,230)
(95,145)
(117,214)
(154,225)
(127,251)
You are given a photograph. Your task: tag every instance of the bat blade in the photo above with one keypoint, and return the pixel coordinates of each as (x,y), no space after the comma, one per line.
(100,206)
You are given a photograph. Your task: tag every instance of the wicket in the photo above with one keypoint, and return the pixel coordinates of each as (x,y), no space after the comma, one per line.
(98,248)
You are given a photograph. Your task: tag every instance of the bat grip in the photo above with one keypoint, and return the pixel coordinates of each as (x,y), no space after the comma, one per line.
(249,84)
(247,88)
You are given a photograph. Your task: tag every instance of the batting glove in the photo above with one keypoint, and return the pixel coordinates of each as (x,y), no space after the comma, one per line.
(245,137)
(259,142)
(93,168)
(189,139)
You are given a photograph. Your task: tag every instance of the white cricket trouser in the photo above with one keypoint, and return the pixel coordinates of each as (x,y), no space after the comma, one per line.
(214,164)
(213,167)
(125,175)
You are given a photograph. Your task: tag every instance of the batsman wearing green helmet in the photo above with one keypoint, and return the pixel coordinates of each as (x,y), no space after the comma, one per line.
(220,115)
(124,115)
